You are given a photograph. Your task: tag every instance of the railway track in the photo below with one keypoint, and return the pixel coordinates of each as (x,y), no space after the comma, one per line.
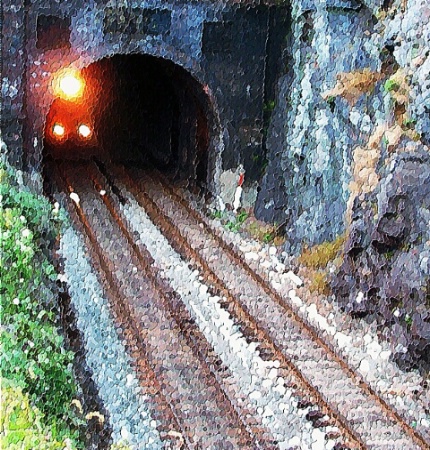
(333,397)
(159,334)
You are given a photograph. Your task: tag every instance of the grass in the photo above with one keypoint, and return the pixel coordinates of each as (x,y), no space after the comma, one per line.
(316,259)
(318,256)
(263,232)
(35,366)
(236,224)
(319,284)
(217,214)
(246,222)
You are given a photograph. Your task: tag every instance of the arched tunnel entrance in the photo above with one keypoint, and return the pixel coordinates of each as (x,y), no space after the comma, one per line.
(138,110)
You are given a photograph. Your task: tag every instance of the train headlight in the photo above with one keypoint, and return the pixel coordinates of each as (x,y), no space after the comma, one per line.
(84,131)
(69,85)
(58,130)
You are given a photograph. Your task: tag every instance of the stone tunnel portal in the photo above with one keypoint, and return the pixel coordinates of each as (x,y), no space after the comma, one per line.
(136,109)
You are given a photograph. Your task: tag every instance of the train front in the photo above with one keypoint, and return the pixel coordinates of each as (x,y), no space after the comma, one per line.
(71,124)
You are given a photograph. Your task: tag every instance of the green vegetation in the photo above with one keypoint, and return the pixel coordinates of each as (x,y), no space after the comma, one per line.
(408,321)
(247,223)
(261,161)
(255,158)
(236,224)
(269,106)
(120,446)
(264,232)
(331,100)
(217,214)
(318,256)
(389,255)
(21,423)
(268,237)
(391,85)
(409,123)
(36,370)
(316,259)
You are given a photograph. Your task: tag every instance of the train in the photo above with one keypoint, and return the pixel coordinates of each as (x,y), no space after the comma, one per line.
(136,110)
(70,127)
(117,108)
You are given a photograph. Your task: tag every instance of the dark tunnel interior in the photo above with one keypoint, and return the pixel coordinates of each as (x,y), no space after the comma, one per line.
(141,110)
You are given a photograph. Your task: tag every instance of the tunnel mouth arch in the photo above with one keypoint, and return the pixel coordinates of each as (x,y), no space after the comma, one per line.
(141,110)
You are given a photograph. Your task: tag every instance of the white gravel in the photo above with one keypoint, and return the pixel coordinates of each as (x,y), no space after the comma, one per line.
(355,339)
(255,380)
(105,354)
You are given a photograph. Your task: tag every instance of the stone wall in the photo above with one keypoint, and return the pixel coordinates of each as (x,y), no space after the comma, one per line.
(13,66)
(222,45)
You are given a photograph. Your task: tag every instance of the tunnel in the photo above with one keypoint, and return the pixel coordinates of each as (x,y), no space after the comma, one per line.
(136,110)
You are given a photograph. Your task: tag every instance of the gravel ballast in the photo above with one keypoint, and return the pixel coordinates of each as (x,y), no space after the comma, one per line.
(255,380)
(355,339)
(105,354)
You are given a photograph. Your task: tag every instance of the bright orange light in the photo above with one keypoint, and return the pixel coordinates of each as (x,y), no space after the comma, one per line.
(58,130)
(69,84)
(84,131)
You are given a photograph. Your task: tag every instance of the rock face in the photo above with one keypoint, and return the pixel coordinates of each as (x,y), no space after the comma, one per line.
(387,266)
(311,137)
(407,30)
(347,154)
(332,99)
